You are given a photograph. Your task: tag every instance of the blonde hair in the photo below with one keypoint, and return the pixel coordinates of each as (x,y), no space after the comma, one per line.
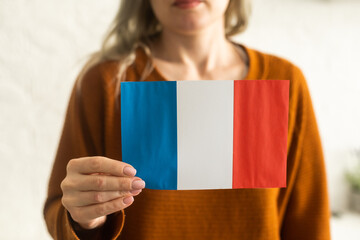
(135,25)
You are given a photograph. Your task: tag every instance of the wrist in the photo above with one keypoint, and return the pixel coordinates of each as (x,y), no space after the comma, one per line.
(96,223)
(86,231)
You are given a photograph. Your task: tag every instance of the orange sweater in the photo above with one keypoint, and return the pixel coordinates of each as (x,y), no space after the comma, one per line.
(300,211)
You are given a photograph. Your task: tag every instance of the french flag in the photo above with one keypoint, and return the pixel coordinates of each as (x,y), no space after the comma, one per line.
(213,134)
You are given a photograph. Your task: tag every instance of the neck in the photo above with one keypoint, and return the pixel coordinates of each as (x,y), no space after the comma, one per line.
(203,50)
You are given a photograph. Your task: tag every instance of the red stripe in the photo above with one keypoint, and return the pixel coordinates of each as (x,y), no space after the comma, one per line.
(260,133)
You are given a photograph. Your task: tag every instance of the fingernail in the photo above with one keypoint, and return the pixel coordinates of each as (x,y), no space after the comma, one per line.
(138,184)
(134,192)
(129,171)
(128,200)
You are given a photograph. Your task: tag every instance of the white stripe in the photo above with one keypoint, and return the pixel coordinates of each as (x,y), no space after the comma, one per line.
(205,134)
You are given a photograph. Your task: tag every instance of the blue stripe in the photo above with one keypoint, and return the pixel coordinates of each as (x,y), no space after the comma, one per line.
(149,131)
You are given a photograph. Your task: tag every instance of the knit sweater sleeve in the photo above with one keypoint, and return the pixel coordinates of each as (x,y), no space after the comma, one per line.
(306,214)
(82,136)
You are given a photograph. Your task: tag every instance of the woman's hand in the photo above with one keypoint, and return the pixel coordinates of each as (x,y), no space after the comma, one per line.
(95,187)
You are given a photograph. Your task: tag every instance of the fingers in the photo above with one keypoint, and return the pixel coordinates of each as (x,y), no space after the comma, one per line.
(88,165)
(97,186)
(83,214)
(107,183)
(81,199)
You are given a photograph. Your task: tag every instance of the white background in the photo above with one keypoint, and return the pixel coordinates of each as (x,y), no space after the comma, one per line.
(43,44)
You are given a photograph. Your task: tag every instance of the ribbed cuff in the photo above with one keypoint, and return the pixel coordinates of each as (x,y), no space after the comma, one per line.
(110,230)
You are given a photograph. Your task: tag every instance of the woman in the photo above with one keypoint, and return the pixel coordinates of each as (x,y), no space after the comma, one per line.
(166,40)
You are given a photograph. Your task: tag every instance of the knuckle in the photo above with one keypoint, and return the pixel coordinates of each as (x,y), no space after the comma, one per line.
(123,193)
(95,164)
(100,182)
(121,165)
(71,164)
(64,202)
(118,205)
(64,185)
(125,184)
(67,185)
(98,197)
